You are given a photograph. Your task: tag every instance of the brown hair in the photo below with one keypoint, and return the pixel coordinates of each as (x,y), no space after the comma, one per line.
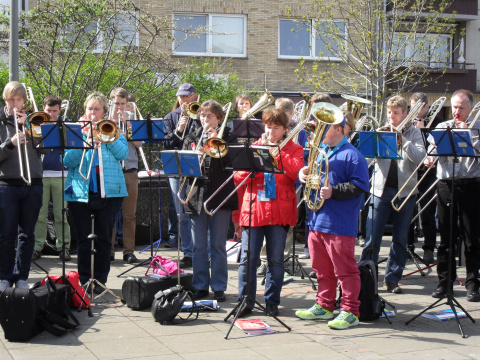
(14,88)
(98,96)
(321,97)
(419,96)
(398,101)
(52,100)
(241,97)
(212,106)
(284,104)
(118,91)
(463,92)
(275,116)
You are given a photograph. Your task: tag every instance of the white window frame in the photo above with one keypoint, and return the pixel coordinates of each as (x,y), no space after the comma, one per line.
(409,51)
(209,36)
(312,40)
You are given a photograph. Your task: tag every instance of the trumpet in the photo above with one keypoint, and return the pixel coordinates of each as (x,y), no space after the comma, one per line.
(28,179)
(190,110)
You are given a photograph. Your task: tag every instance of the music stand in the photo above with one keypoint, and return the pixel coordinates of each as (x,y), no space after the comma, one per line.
(253,158)
(62,135)
(378,145)
(151,131)
(457,143)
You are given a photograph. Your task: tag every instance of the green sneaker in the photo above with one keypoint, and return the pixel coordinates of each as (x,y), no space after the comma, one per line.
(315,312)
(344,320)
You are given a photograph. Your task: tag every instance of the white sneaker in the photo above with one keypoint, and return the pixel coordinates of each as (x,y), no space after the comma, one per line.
(305,254)
(21,284)
(4,284)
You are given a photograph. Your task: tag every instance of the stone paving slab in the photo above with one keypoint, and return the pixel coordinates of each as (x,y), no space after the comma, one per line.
(117,332)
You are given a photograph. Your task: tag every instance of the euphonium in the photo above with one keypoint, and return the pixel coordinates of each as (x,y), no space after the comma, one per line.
(326,114)
(355,105)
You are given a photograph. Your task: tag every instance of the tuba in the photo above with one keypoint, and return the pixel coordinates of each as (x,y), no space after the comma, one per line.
(355,105)
(326,114)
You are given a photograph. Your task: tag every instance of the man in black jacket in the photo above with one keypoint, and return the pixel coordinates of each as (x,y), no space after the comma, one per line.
(177,126)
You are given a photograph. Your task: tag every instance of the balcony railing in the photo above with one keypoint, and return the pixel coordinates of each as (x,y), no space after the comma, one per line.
(460,7)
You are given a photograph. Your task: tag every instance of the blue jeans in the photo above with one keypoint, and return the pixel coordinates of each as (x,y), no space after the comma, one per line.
(275,236)
(377,218)
(19,209)
(105,211)
(185,234)
(210,229)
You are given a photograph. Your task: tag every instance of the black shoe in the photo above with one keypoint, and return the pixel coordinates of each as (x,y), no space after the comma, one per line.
(271,310)
(112,258)
(440,291)
(219,296)
(130,258)
(36,255)
(247,311)
(313,274)
(98,289)
(473,295)
(171,244)
(186,262)
(65,256)
(428,258)
(200,294)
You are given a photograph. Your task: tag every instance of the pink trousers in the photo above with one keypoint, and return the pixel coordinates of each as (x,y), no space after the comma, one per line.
(333,259)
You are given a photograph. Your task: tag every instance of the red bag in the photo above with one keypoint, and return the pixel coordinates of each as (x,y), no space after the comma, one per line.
(78,292)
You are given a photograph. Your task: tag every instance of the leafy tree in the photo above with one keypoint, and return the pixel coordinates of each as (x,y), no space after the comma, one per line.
(370,57)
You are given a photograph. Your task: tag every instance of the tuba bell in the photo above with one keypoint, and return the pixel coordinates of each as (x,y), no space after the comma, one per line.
(326,115)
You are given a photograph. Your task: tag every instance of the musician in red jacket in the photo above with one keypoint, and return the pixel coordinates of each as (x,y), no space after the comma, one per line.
(274,210)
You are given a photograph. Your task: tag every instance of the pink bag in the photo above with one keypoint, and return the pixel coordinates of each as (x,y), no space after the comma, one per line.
(163,267)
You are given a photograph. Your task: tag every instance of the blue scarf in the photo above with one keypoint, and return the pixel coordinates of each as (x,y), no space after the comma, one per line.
(270,189)
(93,174)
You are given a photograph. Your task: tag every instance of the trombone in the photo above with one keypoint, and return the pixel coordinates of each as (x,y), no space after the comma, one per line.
(138,116)
(190,110)
(300,126)
(65,107)
(28,179)
(214,147)
(35,119)
(476,109)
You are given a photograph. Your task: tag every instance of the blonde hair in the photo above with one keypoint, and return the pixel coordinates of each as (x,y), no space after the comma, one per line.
(98,96)
(397,101)
(14,88)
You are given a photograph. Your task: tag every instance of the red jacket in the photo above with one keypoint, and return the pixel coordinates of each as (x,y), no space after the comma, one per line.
(283,209)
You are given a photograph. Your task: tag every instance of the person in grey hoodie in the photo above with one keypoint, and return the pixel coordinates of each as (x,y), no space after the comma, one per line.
(20,197)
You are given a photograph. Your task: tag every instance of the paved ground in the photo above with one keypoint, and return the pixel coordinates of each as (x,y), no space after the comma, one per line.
(117,332)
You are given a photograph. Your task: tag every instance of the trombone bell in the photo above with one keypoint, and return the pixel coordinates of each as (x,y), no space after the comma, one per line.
(33,122)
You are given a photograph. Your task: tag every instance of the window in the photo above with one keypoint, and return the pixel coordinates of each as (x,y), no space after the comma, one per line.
(423,50)
(210,34)
(312,39)
(121,30)
(5,6)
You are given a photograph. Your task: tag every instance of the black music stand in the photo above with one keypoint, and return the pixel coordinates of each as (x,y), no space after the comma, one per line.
(451,144)
(65,134)
(251,158)
(151,131)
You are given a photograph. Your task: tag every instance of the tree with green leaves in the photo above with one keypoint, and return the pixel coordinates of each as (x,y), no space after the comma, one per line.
(377,48)
(73,47)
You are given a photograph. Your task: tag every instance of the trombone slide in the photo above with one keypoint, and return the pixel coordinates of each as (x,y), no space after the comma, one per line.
(28,179)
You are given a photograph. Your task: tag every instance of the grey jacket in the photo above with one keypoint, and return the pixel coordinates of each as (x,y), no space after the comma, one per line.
(9,162)
(413,152)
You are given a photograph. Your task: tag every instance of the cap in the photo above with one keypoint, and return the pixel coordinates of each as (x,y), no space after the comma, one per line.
(185,89)
(342,124)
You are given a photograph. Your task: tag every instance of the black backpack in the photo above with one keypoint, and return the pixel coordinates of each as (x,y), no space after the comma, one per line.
(371,305)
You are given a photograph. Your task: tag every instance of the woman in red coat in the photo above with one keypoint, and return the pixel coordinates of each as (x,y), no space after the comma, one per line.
(274,210)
